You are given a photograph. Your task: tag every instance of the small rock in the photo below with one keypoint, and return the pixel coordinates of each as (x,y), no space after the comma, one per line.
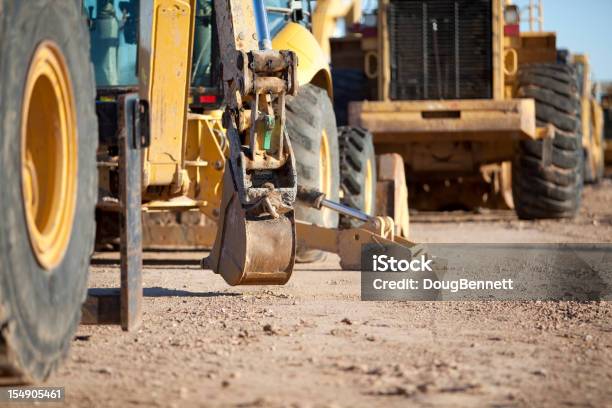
(370,338)
(540,372)
(346,320)
(356,368)
(225,383)
(377,371)
(588,338)
(269,329)
(82,337)
(105,370)
(424,387)
(396,390)
(261,402)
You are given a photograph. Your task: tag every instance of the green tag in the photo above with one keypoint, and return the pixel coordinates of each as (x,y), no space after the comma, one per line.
(267,140)
(269,126)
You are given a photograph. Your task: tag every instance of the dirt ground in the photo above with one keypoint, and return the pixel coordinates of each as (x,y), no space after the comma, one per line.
(313,343)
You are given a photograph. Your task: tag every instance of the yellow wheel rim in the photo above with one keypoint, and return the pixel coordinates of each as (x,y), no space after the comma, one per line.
(369,185)
(325,169)
(49,155)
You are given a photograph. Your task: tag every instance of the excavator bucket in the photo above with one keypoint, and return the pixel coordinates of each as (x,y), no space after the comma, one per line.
(251,250)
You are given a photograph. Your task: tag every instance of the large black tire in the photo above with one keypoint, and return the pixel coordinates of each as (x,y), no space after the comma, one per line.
(41,309)
(555,190)
(357,172)
(310,116)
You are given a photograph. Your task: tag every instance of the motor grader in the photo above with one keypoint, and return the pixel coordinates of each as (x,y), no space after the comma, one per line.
(483,113)
(96,116)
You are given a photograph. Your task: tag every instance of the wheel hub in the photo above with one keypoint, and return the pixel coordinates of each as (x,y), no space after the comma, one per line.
(49,155)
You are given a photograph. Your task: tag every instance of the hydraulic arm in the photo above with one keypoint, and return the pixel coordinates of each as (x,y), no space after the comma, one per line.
(256,237)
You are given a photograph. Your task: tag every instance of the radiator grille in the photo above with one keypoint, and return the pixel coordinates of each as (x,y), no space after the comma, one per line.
(440,49)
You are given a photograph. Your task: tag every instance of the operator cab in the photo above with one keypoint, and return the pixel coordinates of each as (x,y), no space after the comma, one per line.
(114,28)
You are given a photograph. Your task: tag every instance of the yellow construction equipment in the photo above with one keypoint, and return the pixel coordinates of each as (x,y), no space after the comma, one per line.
(327,159)
(482,113)
(326,15)
(606,104)
(162,71)
(592,118)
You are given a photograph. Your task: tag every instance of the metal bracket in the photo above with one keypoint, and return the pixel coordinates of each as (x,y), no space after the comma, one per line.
(141,121)
(109,306)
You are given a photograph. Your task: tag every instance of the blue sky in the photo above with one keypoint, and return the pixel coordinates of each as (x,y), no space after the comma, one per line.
(581,26)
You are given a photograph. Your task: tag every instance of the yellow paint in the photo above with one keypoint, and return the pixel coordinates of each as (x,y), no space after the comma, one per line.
(497,49)
(49,155)
(591,115)
(205,162)
(171,43)
(312,62)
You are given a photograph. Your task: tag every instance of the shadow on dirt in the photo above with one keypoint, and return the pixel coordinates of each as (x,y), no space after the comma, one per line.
(148,262)
(164,292)
(158,291)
